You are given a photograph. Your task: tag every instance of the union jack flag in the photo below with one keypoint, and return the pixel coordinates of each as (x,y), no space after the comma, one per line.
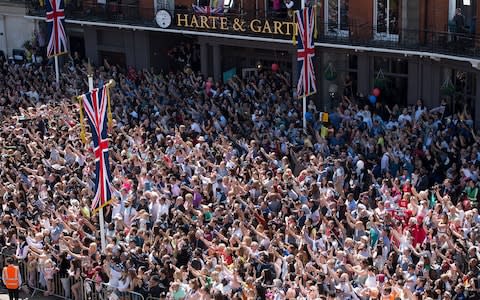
(207,10)
(57,43)
(95,104)
(305,52)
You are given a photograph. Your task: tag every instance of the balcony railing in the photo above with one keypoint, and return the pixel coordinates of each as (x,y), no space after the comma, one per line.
(465,45)
(443,42)
(111,12)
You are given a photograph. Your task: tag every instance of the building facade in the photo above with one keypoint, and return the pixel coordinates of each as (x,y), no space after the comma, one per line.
(15,29)
(411,49)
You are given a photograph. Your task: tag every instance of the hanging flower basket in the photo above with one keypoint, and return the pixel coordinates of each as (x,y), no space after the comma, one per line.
(380,83)
(330,74)
(447,90)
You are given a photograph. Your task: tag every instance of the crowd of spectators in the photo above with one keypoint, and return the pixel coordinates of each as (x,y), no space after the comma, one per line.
(219,193)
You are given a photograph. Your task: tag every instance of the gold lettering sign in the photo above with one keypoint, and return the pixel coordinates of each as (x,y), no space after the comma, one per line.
(255,25)
(182,20)
(266,27)
(223,23)
(277,27)
(285,28)
(203,22)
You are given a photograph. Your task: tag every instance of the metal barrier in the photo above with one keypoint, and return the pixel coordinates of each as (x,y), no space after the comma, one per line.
(34,282)
(91,291)
(104,291)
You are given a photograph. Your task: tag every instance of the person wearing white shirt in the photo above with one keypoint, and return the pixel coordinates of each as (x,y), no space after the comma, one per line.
(153,206)
(164,206)
(196,127)
(385,162)
(115,275)
(128,214)
(35,242)
(420,109)
(404,117)
(22,248)
(116,207)
(411,277)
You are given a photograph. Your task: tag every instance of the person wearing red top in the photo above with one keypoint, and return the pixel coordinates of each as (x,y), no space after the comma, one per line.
(418,232)
(403,203)
(407,187)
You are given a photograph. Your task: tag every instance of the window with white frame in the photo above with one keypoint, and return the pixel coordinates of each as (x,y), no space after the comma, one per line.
(468,9)
(336,14)
(387,15)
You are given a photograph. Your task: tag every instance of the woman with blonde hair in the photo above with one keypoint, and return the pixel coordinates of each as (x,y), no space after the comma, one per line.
(49,271)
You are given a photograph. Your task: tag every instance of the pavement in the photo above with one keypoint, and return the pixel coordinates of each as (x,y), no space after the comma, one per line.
(37,296)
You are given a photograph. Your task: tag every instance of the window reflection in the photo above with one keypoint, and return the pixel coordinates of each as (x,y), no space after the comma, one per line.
(387,13)
(337,15)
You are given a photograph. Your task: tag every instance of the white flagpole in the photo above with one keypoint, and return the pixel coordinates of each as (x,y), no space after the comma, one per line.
(304,110)
(57,72)
(100,213)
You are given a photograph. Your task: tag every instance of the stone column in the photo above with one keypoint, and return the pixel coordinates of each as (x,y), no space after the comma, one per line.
(142,49)
(414,81)
(217,62)
(204,58)
(364,72)
(91,48)
(293,54)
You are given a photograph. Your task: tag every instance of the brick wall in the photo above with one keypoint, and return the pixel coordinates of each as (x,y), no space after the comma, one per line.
(89,3)
(186,3)
(321,11)
(423,19)
(433,18)
(146,8)
(437,15)
(320,15)
(361,18)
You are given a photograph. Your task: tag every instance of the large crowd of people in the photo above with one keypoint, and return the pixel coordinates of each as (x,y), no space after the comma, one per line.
(220,194)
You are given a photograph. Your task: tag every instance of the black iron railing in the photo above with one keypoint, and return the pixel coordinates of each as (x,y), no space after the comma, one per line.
(450,43)
(444,42)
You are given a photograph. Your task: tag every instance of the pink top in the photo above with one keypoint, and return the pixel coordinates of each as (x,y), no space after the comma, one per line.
(276,5)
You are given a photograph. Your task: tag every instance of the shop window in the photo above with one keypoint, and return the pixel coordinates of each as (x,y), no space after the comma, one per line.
(391,65)
(353,62)
(391,76)
(465,90)
(164,4)
(386,17)
(336,14)
(348,71)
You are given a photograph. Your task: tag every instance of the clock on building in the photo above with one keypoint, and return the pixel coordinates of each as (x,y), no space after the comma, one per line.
(163,18)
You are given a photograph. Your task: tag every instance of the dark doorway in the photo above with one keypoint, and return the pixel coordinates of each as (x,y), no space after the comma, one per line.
(113,58)
(77,44)
(469,11)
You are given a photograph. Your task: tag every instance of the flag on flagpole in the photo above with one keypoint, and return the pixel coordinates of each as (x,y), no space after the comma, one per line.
(214,8)
(57,38)
(305,52)
(96,108)
(207,10)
